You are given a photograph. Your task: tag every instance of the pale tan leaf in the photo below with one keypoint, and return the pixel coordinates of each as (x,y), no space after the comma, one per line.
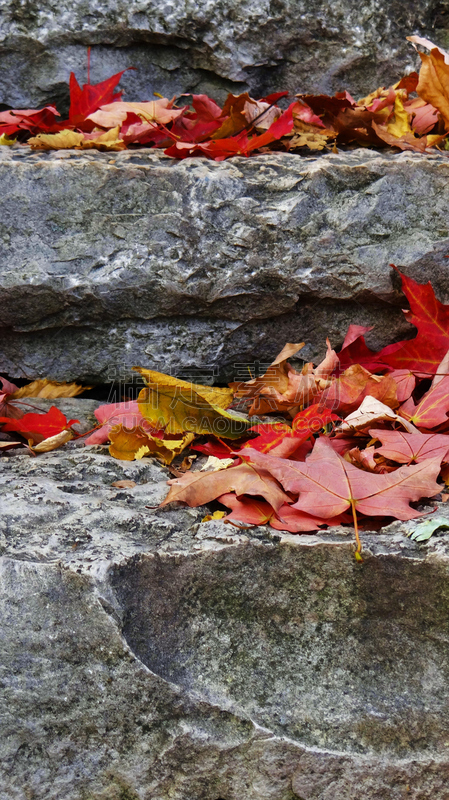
(214,464)
(53,442)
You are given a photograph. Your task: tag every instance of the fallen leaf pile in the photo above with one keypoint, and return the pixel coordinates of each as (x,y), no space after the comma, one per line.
(355,440)
(411,115)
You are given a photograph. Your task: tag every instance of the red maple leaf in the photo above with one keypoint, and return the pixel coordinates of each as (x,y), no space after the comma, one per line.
(407,448)
(354,350)
(423,354)
(328,485)
(86,100)
(253,511)
(433,408)
(239,145)
(39,426)
(32,120)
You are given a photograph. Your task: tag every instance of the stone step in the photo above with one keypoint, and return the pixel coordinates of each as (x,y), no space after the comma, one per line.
(111,260)
(146,654)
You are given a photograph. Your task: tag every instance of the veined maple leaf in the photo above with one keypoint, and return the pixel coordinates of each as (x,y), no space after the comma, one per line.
(328,485)
(408,448)
(432,410)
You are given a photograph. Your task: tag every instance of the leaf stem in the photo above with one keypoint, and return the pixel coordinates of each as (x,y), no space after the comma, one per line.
(81,435)
(358,551)
(224,444)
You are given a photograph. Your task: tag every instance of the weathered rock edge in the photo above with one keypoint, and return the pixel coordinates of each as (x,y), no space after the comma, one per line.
(110,260)
(147,655)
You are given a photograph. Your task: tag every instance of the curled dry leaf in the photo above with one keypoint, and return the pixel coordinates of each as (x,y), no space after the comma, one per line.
(197,488)
(371,412)
(434,81)
(275,377)
(262,114)
(53,442)
(8,445)
(187,463)
(282,388)
(427,44)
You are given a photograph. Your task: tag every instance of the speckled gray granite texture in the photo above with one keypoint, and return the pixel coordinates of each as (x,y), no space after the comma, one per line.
(147,655)
(214,46)
(111,260)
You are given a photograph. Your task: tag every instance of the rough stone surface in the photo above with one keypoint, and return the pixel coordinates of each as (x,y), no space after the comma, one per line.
(215,46)
(149,656)
(110,260)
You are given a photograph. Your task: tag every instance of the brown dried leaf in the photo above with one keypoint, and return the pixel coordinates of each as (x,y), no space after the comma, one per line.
(433,84)
(49,389)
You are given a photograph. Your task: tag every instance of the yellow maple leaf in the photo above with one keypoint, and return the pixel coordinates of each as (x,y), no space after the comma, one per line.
(65,139)
(400,125)
(179,406)
(132,444)
(69,140)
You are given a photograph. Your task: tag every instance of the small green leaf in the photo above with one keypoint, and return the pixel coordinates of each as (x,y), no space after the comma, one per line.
(425,530)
